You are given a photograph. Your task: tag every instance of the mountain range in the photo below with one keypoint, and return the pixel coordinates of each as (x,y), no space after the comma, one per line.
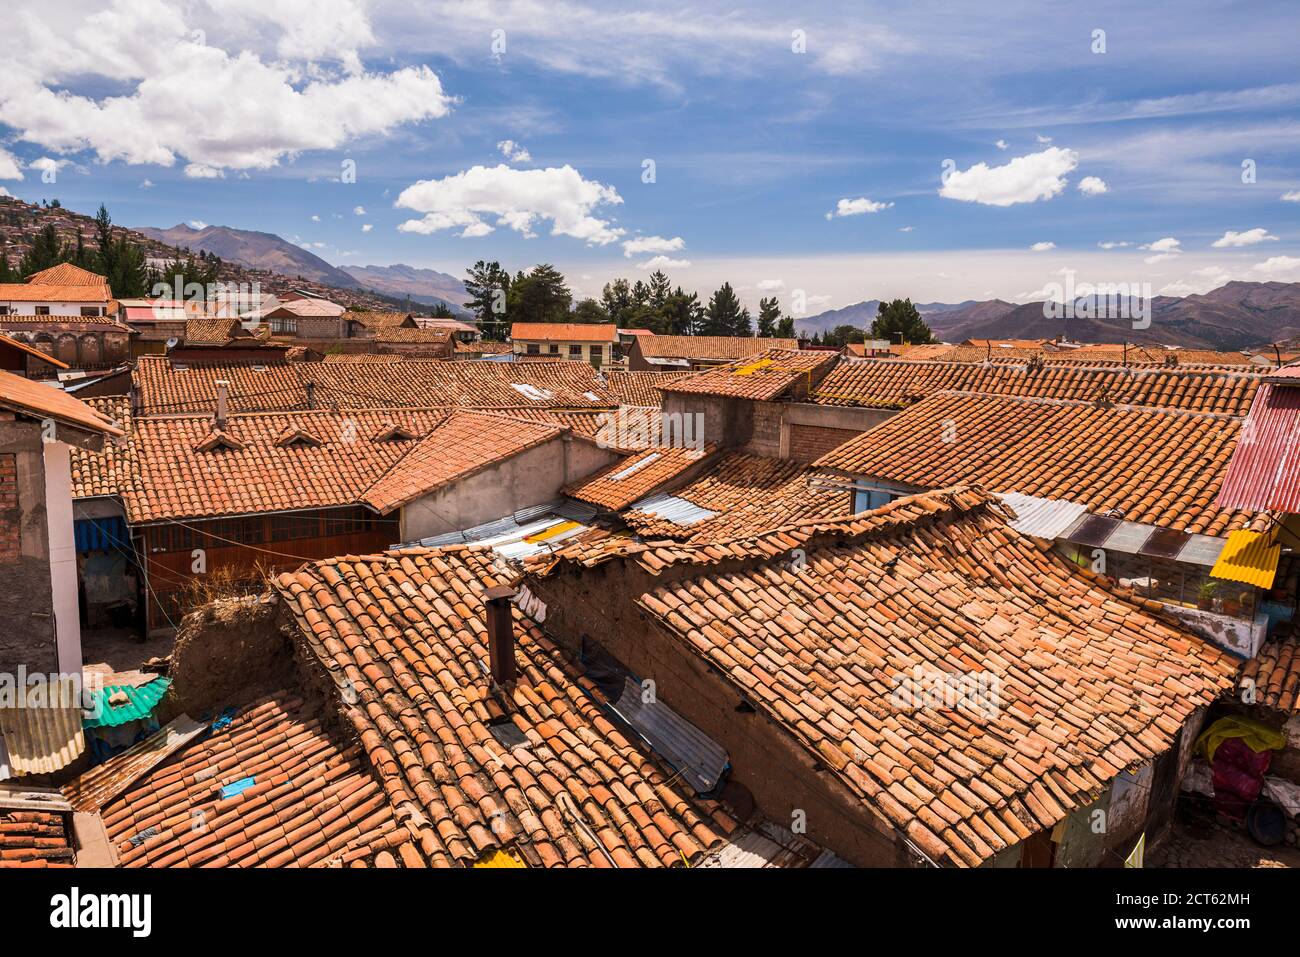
(258,250)
(1237,315)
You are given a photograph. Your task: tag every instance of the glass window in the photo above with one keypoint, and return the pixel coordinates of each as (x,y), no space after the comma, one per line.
(575,350)
(42,310)
(533,349)
(597,353)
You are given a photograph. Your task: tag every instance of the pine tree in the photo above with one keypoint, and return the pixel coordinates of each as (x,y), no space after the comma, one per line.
(487,285)
(769,315)
(899,320)
(46,251)
(725,316)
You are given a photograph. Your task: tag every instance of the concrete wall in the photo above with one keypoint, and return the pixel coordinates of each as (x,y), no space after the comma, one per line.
(597,605)
(727,422)
(789,430)
(63,555)
(534,477)
(27,632)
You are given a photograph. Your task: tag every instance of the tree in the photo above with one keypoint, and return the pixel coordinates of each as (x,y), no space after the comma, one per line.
(589,310)
(660,289)
(725,316)
(769,316)
(899,320)
(842,335)
(785,328)
(442,311)
(46,251)
(539,296)
(488,285)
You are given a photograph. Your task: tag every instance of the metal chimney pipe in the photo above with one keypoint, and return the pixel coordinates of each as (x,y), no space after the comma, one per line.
(311,394)
(223,403)
(501,635)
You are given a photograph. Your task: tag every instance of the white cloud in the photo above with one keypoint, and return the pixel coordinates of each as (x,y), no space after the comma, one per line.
(770,285)
(906,229)
(652,244)
(1292,197)
(1165,248)
(514,152)
(1042,139)
(198,224)
(1093,186)
(47,164)
(5,192)
(1002,144)
(202,171)
(161,73)
(1025,179)
(10,168)
(367,227)
(146,184)
(1198,283)
(1042,247)
(856,207)
(664,262)
(1250,237)
(315,219)
(1278,267)
(1114,244)
(517,198)
(358,211)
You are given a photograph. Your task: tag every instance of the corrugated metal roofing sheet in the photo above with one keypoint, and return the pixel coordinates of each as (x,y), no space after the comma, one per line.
(1042,517)
(1265,469)
(699,758)
(140,702)
(673,509)
(98,786)
(41,740)
(1249,557)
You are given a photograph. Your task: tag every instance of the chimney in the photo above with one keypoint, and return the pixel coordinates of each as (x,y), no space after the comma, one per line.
(311,394)
(501,635)
(223,400)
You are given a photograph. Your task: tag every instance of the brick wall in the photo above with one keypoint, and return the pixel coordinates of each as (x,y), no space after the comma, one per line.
(809,442)
(9,515)
(766,437)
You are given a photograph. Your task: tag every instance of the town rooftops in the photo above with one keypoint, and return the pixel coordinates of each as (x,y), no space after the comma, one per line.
(1081,682)
(898,383)
(564,332)
(44,292)
(461,445)
(718,348)
(381,320)
(9,342)
(619,485)
(41,401)
(164,388)
(66,274)
(1274,674)
(1153,466)
(305,308)
(542,771)
(761,377)
(638,388)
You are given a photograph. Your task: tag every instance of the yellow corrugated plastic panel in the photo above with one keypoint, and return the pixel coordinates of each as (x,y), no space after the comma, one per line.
(1249,557)
(499,858)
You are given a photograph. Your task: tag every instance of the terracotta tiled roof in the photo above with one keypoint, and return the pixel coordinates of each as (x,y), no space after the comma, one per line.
(638,388)
(405,336)
(413,383)
(1086,682)
(403,636)
(28,349)
(484,347)
(564,332)
(217,332)
(897,383)
(709,347)
(1153,466)
(105,472)
(307,309)
(34,839)
(750,493)
(461,445)
(175,478)
(36,292)
(635,476)
(379,320)
(41,401)
(307,799)
(363,357)
(66,274)
(1275,672)
(761,378)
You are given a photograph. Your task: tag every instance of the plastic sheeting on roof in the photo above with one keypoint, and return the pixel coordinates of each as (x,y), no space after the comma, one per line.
(700,760)
(673,509)
(1041,517)
(41,740)
(140,702)
(1248,557)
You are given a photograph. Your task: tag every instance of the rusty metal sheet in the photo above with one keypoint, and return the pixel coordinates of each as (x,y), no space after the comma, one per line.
(98,786)
(1264,472)
(42,739)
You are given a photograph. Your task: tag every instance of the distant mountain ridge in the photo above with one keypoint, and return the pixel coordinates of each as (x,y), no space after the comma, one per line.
(1237,315)
(260,250)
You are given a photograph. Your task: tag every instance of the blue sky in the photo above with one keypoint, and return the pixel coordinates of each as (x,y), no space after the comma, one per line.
(761,119)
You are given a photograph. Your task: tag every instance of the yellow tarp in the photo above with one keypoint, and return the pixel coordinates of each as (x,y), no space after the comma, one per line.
(551,532)
(754,367)
(1249,557)
(1257,735)
(499,858)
